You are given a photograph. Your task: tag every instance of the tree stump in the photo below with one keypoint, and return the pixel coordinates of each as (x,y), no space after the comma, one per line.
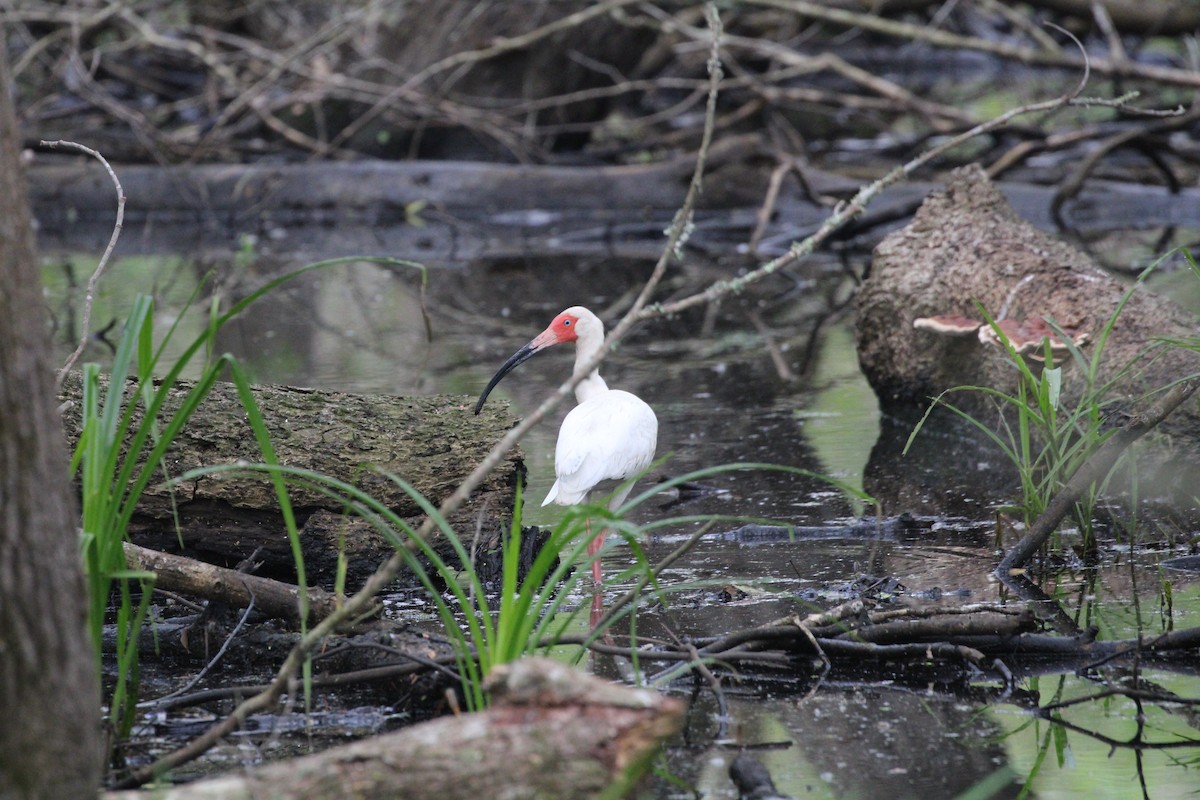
(965,246)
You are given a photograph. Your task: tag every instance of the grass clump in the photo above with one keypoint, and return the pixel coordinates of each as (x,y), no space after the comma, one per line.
(1046,437)
(125,434)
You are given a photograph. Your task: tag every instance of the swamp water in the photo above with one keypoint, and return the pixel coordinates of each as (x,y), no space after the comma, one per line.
(721,400)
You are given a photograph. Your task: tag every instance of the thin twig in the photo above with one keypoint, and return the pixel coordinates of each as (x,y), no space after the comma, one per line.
(89,297)
(1104,22)
(782,369)
(160,701)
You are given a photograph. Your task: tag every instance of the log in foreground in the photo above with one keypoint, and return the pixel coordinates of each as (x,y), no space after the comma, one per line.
(432,443)
(551,732)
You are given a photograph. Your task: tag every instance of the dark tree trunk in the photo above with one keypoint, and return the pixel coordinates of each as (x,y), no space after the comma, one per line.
(49,689)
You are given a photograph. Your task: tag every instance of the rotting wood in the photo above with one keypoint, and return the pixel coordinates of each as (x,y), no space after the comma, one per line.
(967,245)
(551,732)
(430,442)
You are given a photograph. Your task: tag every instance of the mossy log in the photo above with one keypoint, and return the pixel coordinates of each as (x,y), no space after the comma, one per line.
(431,443)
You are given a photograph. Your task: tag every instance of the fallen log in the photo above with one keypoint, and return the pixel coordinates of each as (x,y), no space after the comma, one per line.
(551,732)
(198,579)
(432,443)
(495,211)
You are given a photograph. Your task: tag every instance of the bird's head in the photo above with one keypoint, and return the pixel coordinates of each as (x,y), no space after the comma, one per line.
(568,326)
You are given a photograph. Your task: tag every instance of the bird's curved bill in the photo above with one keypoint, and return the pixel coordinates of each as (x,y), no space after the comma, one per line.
(514,361)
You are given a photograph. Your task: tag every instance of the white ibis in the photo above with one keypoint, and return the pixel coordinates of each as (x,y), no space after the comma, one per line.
(609,436)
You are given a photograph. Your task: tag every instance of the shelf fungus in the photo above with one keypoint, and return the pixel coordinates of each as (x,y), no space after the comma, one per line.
(1027,337)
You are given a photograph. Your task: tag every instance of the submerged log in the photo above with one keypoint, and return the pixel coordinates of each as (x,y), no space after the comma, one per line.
(431,443)
(495,211)
(551,732)
(915,642)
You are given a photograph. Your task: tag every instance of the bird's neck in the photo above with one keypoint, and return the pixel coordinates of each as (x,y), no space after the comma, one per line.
(593,384)
(589,387)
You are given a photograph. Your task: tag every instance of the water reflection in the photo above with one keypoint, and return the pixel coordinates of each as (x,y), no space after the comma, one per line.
(357,327)
(847,741)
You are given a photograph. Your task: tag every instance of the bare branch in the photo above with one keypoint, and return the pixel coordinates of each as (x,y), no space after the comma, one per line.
(89,297)
(1025,55)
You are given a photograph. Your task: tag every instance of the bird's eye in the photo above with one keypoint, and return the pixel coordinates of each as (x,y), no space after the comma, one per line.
(567,322)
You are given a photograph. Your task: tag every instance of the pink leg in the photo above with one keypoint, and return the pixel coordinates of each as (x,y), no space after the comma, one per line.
(593,548)
(595,544)
(597,611)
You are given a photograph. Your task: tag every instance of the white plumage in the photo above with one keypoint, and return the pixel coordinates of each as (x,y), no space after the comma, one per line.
(610,436)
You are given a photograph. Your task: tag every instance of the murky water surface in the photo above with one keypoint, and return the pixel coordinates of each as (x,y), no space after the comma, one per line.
(771,377)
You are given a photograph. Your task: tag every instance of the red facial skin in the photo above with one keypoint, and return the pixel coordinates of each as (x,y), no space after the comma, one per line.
(560,331)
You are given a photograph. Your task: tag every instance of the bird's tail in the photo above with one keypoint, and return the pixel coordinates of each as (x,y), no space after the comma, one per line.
(558,494)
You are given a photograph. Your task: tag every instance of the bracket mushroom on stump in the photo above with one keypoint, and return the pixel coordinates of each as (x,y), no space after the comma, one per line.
(1027,337)
(967,253)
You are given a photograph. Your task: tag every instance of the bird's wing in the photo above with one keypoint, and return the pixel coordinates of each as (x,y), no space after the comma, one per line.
(611,437)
